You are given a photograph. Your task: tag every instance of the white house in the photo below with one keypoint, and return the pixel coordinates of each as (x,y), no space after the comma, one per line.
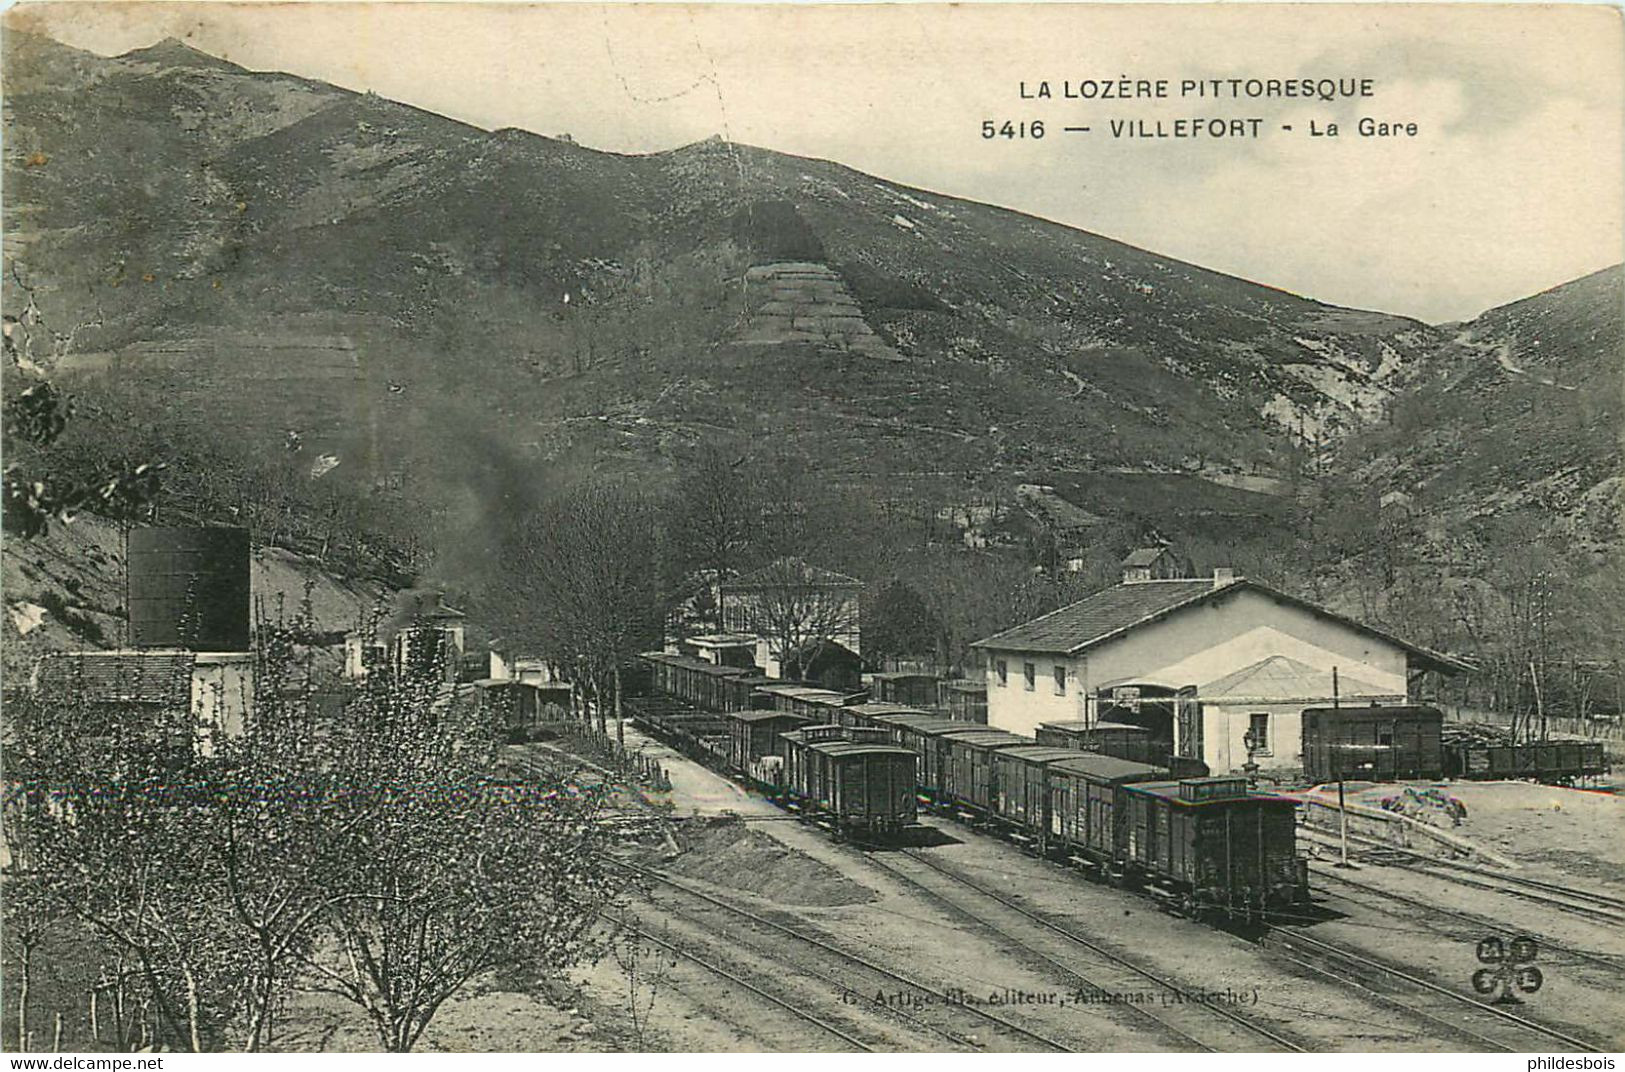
(1201,663)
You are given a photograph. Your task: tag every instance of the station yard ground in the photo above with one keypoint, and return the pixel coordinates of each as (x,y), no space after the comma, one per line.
(1547,829)
(836,891)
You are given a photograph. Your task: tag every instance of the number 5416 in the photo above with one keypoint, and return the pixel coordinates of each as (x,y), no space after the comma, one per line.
(991,128)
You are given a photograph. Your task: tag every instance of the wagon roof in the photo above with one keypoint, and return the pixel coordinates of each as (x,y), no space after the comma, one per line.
(802,692)
(1078,727)
(1038,753)
(1107,768)
(874,710)
(855,748)
(687,662)
(800,732)
(1169,791)
(922,723)
(764,716)
(988,737)
(943,727)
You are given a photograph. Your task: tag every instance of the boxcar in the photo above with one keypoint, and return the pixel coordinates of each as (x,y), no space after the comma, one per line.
(918,733)
(963,700)
(693,681)
(864,714)
(1374,744)
(860,782)
(967,763)
(1107,738)
(756,734)
(820,705)
(1551,761)
(865,786)
(1213,845)
(1083,813)
(1020,784)
(912,689)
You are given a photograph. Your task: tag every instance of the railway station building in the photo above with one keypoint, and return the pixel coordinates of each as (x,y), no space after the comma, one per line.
(1217,669)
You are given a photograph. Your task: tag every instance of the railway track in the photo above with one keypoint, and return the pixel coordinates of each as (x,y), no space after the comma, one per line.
(943,1000)
(1480,925)
(1589,904)
(1584,903)
(745,984)
(1204,1025)
(1484,1025)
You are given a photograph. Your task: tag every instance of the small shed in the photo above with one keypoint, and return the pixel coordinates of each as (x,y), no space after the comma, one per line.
(829,664)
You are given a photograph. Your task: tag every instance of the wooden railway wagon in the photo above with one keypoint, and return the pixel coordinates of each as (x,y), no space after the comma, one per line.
(1551,761)
(963,700)
(754,734)
(966,762)
(1084,817)
(1021,785)
(864,714)
(1107,738)
(1208,844)
(743,693)
(820,705)
(858,781)
(1375,744)
(919,733)
(694,681)
(910,689)
(521,705)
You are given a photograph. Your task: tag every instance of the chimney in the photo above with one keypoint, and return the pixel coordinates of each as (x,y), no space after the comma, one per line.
(1223,576)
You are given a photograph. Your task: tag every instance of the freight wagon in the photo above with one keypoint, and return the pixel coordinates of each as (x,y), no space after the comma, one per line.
(850,777)
(695,681)
(912,689)
(1208,844)
(1084,817)
(1021,785)
(1374,744)
(1549,762)
(1107,738)
(755,734)
(968,778)
(918,733)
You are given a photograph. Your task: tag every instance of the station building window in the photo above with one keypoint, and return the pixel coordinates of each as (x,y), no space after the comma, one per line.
(1259,727)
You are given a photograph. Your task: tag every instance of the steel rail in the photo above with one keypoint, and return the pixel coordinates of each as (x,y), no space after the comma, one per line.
(878,969)
(1116,958)
(1321,947)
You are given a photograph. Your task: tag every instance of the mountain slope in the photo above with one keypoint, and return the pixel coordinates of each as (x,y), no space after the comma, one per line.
(573,300)
(1521,413)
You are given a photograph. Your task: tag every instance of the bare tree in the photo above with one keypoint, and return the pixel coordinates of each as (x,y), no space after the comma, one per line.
(716,514)
(594,562)
(451,876)
(797,608)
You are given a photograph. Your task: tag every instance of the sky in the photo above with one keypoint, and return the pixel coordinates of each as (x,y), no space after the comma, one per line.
(1512,184)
